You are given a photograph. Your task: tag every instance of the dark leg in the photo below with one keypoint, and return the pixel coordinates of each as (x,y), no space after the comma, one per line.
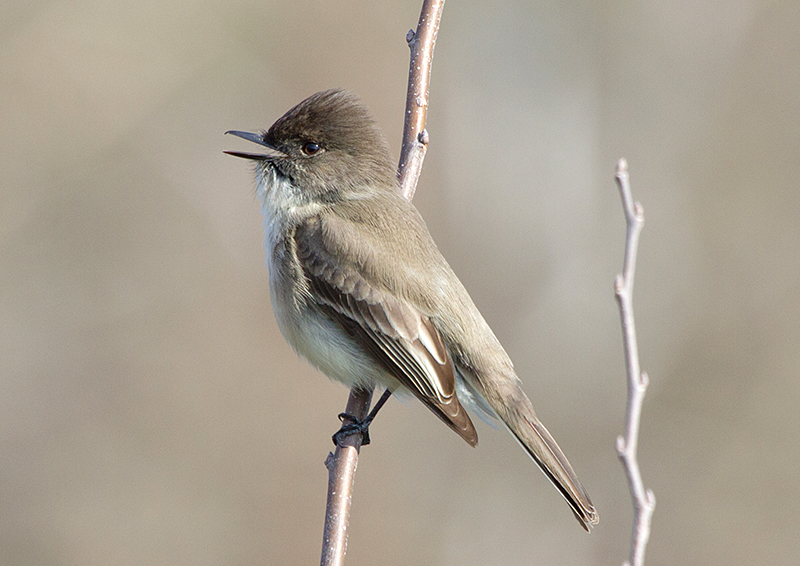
(360,427)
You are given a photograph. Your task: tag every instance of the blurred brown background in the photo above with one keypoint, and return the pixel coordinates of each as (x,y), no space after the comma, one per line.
(150,412)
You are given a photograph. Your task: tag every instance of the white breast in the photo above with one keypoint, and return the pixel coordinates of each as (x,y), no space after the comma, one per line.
(311,334)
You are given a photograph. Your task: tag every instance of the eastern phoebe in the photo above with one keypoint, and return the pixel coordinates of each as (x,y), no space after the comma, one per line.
(361,291)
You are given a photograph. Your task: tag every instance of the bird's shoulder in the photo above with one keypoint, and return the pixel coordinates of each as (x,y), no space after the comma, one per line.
(381,237)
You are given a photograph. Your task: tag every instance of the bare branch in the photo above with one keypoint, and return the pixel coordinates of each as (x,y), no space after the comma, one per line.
(343,462)
(644,501)
(341,474)
(415,137)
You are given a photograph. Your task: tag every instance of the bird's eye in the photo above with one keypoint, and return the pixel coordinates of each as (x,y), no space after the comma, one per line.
(310,148)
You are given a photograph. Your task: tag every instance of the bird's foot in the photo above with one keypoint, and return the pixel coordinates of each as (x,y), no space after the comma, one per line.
(355,426)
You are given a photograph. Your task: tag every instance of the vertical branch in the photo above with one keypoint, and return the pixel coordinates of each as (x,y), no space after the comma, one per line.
(343,462)
(415,137)
(644,501)
(341,475)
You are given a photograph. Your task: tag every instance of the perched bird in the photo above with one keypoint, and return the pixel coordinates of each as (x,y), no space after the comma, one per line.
(361,291)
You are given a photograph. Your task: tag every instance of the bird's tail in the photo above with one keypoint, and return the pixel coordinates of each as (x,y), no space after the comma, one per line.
(518,416)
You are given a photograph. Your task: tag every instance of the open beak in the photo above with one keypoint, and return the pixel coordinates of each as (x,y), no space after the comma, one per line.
(255,138)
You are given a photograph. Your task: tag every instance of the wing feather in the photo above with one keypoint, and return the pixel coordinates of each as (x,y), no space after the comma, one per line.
(402,340)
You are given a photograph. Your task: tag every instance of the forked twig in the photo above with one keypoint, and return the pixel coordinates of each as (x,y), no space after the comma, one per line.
(343,462)
(644,501)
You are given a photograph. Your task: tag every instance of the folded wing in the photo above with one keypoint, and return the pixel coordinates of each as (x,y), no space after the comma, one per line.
(400,338)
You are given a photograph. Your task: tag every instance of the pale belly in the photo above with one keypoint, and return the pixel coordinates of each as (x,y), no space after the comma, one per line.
(320,340)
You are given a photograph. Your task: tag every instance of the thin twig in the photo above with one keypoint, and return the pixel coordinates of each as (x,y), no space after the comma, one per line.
(644,501)
(343,462)
(341,473)
(415,137)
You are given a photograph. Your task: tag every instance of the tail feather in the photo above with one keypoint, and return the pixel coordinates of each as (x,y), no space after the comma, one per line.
(534,438)
(544,450)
